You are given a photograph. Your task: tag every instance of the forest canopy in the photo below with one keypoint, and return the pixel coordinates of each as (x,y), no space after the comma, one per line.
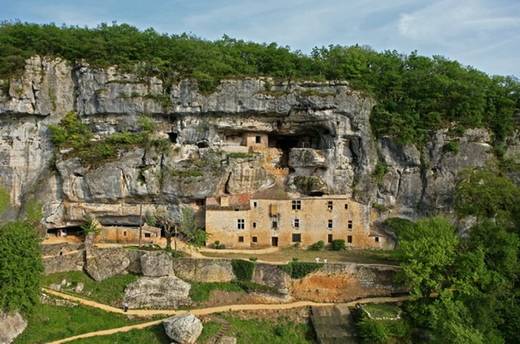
(415,94)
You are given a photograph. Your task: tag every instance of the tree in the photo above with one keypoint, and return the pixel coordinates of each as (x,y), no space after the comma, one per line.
(20,266)
(188,226)
(169,225)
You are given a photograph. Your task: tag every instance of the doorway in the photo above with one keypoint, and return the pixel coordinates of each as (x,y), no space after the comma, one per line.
(274,241)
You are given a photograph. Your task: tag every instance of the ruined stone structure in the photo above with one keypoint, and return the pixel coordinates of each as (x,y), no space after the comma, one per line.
(277,219)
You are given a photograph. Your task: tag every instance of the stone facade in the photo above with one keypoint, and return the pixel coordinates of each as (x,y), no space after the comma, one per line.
(244,222)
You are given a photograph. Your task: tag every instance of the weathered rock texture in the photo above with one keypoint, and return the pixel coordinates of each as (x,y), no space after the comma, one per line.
(156,264)
(183,329)
(321,129)
(157,292)
(203,270)
(104,263)
(11,326)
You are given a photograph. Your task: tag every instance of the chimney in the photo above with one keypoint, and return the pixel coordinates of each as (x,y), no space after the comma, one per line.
(224,201)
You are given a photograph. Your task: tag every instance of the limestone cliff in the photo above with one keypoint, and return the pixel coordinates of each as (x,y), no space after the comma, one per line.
(319,135)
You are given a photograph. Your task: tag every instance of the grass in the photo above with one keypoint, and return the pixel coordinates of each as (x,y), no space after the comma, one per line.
(382,310)
(200,292)
(247,331)
(109,291)
(287,255)
(151,335)
(51,322)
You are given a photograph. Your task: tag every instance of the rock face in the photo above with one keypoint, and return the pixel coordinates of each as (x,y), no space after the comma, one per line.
(272,276)
(183,329)
(156,264)
(157,292)
(320,141)
(204,270)
(104,263)
(11,326)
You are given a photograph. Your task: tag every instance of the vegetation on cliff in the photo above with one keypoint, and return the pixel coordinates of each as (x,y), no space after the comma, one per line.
(474,278)
(415,94)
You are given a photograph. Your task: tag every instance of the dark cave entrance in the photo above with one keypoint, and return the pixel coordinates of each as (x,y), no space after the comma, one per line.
(66,231)
(173,137)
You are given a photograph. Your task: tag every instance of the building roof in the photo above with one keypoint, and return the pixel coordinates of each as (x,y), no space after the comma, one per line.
(276,193)
(238,201)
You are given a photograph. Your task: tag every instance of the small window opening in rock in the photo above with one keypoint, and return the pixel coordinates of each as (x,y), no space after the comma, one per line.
(254,224)
(173,137)
(147,235)
(258,139)
(346,205)
(200,202)
(349,239)
(376,239)
(202,144)
(61,253)
(240,239)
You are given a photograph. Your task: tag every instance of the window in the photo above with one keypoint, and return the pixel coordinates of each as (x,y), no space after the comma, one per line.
(199,202)
(254,224)
(296,205)
(240,239)
(376,239)
(241,224)
(346,205)
(124,233)
(146,235)
(349,239)
(255,204)
(329,205)
(237,209)
(296,237)
(296,223)
(349,224)
(258,139)
(330,224)
(274,224)
(329,238)
(254,239)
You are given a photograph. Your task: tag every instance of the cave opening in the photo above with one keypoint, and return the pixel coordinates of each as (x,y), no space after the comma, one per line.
(314,138)
(173,137)
(66,231)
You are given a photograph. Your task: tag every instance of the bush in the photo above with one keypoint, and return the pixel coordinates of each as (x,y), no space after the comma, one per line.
(317,246)
(337,245)
(451,147)
(217,245)
(372,331)
(300,269)
(243,269)
(20,267)
(4,199)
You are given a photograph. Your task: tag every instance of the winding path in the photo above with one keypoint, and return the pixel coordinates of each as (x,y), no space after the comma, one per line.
(200,311)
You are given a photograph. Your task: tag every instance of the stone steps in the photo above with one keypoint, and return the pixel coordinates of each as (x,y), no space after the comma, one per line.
(333,325)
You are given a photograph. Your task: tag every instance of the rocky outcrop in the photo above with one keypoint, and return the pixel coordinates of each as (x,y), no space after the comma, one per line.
(183,329)
(272,276)
(156,264)
(11,326)
(203,270)
(104,263)
(157,292)
(321,131)
(69,261)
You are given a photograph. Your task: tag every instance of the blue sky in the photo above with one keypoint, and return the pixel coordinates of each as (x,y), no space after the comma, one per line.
(481,33)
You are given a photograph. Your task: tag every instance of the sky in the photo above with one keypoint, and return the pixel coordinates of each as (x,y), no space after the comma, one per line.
(481,33)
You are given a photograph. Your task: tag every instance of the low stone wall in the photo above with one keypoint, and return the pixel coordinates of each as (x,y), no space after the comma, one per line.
(203,270)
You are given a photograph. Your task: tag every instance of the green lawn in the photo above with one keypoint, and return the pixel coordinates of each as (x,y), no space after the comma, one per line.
(287,255)
(246,331)
(109,291)
(50,322)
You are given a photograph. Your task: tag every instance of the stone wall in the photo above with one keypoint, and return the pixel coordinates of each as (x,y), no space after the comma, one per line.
(70,261)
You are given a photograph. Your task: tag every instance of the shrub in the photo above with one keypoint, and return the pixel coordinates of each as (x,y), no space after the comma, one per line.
(451,147)
(372,331)
(300,269)
(253,259)
(338,245)
(317,246)
(4,199)
(217,245)
(20,266)
(243,269)
(379,172)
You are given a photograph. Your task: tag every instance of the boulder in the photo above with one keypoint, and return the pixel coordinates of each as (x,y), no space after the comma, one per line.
(157,292)
(183,329)
(156,264)
(104,263)
(11,326)
(204,270)
(272,276)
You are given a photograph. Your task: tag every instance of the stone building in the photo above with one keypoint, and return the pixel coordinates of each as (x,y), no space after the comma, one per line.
(273,218)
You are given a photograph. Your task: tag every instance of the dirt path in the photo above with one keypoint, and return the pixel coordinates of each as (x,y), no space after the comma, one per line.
(200,311)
